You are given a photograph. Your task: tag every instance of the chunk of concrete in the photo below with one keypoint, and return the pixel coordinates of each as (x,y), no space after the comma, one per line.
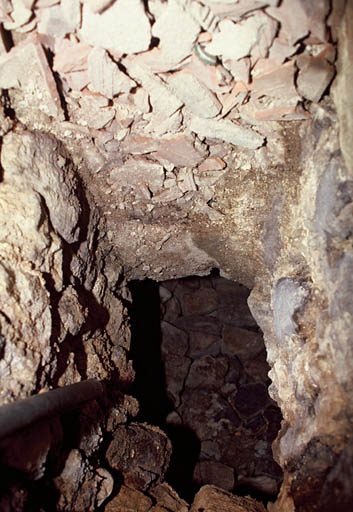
(227,131)
(123,27)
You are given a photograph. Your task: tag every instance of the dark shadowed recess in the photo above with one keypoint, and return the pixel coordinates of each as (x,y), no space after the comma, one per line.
(150,389)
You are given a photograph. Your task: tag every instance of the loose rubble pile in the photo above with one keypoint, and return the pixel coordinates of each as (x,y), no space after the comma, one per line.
(159,85)
(216,377)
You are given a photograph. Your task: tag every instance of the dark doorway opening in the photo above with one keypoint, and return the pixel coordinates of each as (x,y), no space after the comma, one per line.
(201,375)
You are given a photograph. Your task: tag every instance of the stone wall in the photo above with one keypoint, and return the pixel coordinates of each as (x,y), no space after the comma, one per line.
(217,377)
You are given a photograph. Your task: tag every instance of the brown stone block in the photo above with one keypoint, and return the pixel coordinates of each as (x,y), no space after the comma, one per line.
(213,499)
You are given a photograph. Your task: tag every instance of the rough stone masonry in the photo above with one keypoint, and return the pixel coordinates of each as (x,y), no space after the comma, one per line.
(162,139)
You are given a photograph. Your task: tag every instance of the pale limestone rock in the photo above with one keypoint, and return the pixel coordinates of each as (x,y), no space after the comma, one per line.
(60,20)
(237,40)
(39,85)
(177,32)
(37,195)
(21,14)
(226,131)
(51,176)
(104,75)
(113,28)
(194,94)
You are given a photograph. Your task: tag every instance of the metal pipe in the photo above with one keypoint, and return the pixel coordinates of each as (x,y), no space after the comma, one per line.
(23,413)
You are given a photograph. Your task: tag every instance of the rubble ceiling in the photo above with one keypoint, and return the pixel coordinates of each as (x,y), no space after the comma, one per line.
(183,118)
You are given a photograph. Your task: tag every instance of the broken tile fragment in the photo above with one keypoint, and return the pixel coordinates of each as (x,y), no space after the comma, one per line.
(272,109)
(104,75)
(70,56)
(315,75)
(138,173)
(60,19)
(277,82)
(237,40)
(168,195)
(46,3)
(194,94)
(122,27)
(3,41)
(237,96)
(186,181)
(295,23)
(212,164)
(225,130)
(179,150)
(177,32)
(139,145)
(39,84)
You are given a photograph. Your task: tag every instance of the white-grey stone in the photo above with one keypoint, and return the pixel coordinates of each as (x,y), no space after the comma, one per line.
(194,94)
(123,27)
(225,130)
